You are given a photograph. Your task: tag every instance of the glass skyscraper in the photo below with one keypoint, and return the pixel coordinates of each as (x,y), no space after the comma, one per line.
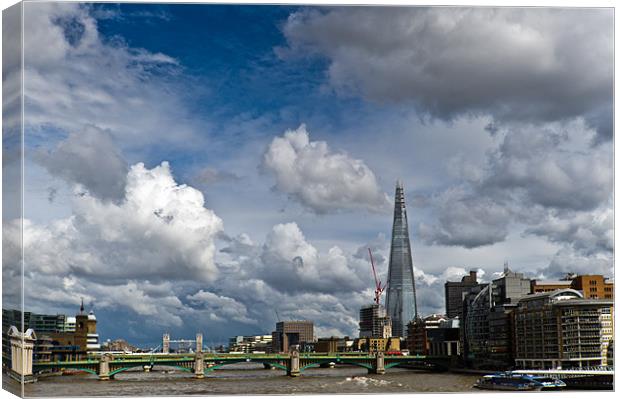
(401,299)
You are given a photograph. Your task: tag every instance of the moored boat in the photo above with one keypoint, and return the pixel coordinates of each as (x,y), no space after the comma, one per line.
(518,382)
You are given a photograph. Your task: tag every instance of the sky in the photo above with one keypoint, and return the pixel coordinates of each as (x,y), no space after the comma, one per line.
(201,167)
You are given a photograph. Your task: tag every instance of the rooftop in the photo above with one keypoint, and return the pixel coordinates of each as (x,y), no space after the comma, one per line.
(552,282)
(540,295)
(585,302)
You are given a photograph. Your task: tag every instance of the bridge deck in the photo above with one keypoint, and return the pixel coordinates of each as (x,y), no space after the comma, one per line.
(211,357)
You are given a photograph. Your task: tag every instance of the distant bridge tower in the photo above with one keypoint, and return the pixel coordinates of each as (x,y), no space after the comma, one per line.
(198,342)
(165,348)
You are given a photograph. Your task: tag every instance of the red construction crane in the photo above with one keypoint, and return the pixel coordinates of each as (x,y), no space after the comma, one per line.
(378,287)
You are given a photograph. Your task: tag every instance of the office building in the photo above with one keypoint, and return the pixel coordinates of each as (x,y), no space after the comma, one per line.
(289,333)
(417,341)
(69,324)
(42,324)
(486,327)
(373,345)
(562,329)
(334,344)
(511,287)
(444,339)
(455,292)
(57,336)
(118,345)
(418,332)
(250,344)
(374,322)
(594,286)
(401,300)
(538,286)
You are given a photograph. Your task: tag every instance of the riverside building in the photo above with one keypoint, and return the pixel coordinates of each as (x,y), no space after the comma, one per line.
(434,335)
(593,286)
(455,291)
(420,331)
(250,344)
(58,337)
(562,329)
(487,329)
(288,333)
(374,322)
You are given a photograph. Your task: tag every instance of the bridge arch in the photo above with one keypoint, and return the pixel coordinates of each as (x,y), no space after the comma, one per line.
(123,369)
(437,363)
(88,370)
(367,366)
(243,360)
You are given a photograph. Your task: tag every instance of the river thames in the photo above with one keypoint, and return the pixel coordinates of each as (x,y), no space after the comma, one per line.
(247,379)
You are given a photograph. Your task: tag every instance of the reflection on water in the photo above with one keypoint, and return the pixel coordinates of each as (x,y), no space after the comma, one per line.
(250,379)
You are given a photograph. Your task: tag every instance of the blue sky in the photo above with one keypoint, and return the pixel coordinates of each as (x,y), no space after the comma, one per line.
(182,159)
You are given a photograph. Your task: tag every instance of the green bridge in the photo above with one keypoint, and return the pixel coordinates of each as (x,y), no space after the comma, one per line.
(107,366)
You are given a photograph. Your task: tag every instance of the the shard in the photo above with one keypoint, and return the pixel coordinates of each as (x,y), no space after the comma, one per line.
(401,299)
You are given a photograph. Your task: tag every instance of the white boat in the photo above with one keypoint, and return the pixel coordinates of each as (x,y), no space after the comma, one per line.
(518,382)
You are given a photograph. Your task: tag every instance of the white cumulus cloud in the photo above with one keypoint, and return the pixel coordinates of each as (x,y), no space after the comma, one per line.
(320,179)
(159,233)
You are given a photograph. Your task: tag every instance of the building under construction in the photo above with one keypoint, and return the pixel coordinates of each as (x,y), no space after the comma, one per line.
(374,322)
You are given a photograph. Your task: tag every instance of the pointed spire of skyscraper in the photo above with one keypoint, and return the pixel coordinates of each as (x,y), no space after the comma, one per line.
(401,299)
(82,307)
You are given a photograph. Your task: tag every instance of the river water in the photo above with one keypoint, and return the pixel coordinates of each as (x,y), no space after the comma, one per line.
(248,379)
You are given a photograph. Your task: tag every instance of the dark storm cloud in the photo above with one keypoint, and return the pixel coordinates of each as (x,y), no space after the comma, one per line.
(567,261)
(89,158)
(517,65)
(549,180)
(466,220)
(546,167)
(588,233)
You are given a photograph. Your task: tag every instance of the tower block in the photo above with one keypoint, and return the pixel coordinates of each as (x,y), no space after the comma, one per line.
(401,298)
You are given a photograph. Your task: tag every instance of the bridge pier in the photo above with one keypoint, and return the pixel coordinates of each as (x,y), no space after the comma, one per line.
(199,365)
(104,367)
(293,365)
(147,368)
(379,364)
(198,342)
(165,346)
